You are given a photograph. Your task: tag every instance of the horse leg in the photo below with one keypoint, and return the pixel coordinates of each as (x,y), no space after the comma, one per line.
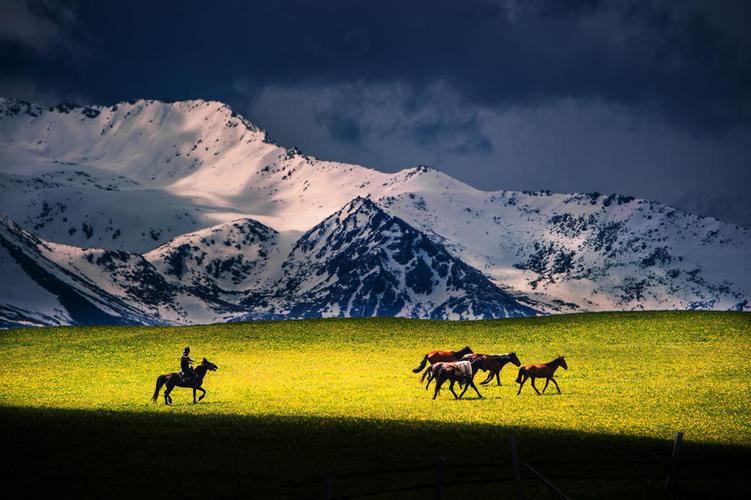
(466,386)
(556,385)
(472,383)
(547,381)
(488,378)
(194,395)
(498,377)
(521,384)
(202,395)
(439,379)
(534,387)
(451,388)
(167,398)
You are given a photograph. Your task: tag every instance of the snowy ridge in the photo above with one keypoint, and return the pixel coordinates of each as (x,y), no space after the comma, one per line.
(589,251)
(135,175)
(241,255)
(363,262)
(243,270)
(69,296)
(150,185)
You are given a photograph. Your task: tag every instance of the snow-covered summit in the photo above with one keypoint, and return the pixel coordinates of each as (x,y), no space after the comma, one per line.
(137,174)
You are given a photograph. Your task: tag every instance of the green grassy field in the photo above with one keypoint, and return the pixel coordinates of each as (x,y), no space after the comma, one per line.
(295,401)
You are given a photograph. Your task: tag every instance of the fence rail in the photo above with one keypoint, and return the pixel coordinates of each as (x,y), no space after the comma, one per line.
(519,472)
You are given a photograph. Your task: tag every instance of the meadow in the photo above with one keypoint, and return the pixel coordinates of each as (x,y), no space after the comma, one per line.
(296,401)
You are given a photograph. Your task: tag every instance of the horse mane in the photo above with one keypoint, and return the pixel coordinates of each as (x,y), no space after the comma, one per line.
(501,356)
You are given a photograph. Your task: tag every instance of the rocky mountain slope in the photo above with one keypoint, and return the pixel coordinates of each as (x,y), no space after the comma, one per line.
(363,262)
(224,219)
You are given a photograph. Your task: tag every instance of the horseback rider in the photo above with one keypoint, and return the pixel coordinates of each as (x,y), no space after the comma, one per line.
(187,371)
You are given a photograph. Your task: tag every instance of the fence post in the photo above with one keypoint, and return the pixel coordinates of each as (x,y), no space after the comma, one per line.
(328,487)
(671,484)
(516,468)
(439,473)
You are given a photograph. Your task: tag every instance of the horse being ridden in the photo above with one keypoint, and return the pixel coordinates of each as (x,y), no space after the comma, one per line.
(172,380)
(546,371)
(457,371)
(440,356)
(494,363)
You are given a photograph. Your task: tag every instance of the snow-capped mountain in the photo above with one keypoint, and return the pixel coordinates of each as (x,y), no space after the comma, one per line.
(242,255)
(363,262)
(51,284)
(135,175)
(230,226)
(589,251)
(358,262)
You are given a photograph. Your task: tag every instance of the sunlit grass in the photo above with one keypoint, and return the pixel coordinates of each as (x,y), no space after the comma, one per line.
(640,374)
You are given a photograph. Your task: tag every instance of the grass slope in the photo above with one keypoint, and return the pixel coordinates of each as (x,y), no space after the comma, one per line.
(295,401)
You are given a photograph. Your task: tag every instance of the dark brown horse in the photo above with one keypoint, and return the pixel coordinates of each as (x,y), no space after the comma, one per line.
(440,356)
(457,371)
(172,380)
(546,371)
(494,363)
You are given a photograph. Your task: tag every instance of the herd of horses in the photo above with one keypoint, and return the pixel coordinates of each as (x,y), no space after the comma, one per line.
(452,366)
(462,365)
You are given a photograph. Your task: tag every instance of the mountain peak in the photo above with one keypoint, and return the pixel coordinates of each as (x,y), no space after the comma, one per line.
(361,261)
(360,203)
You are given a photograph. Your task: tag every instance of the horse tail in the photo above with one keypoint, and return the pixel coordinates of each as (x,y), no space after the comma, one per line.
(519,378)
(422,364)
(160,381)
(424,374)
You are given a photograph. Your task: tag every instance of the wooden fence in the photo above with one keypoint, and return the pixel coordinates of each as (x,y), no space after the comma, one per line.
(521,471)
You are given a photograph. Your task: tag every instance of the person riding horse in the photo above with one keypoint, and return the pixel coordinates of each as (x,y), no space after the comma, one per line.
(187,372)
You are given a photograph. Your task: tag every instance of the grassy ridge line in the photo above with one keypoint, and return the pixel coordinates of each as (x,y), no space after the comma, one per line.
(639,374)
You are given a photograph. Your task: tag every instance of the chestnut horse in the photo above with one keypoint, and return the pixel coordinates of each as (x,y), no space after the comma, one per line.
(440,356)
(175,380)
(457,371)
(546,371)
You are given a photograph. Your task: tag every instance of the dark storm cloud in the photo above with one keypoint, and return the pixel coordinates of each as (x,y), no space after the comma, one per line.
(42,26)
(429,117)
(655,54)
(503,93)
(341,127)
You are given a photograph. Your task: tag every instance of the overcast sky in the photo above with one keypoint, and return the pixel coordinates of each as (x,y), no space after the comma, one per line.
(646,98)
